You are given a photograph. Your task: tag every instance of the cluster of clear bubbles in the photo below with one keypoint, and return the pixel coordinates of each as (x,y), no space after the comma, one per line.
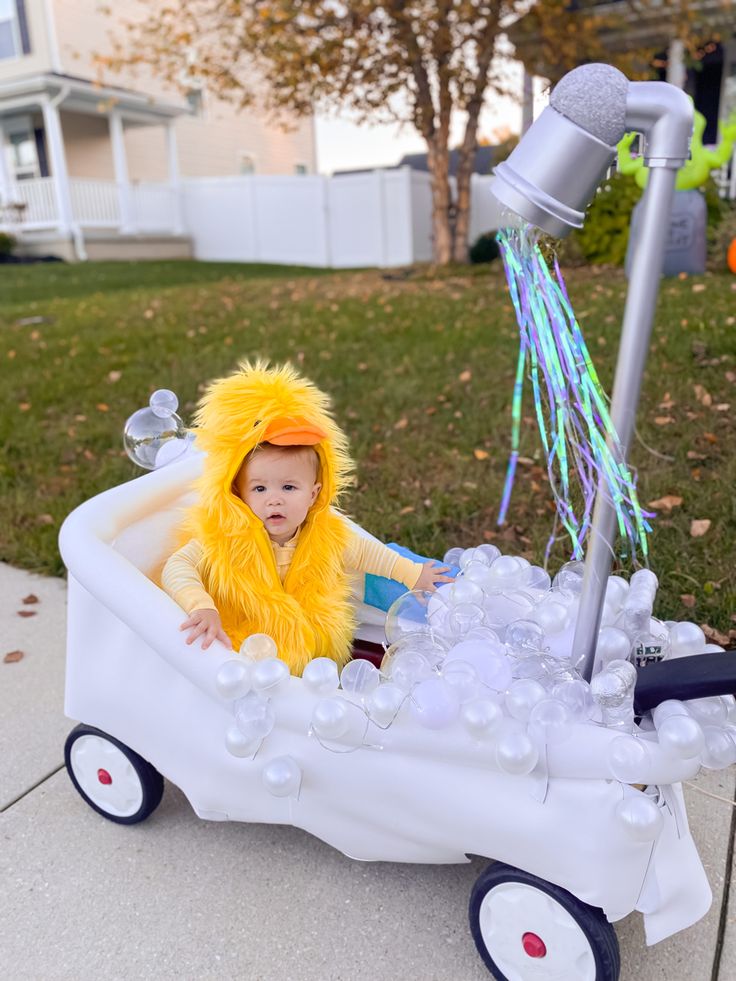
(156,435)
(490,653)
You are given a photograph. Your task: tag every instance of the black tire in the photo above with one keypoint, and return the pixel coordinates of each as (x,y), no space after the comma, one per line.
(150,780)
(599,933)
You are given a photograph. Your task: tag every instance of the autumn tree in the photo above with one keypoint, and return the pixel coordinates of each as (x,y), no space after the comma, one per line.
(415,61)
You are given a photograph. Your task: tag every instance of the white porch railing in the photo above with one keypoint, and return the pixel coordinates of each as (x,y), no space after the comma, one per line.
(95,204)
(32,205)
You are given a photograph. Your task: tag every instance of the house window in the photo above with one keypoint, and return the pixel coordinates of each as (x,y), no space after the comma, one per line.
(247,163)
(301,169)
(195,100)
(14,39)
(23,154)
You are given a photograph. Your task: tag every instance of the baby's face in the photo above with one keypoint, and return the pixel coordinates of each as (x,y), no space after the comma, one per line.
(279,488)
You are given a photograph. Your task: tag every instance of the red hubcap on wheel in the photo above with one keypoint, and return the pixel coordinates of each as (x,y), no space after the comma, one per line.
(533,945)
(104,777)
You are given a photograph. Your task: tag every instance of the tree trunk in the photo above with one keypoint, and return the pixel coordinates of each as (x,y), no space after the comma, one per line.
(438,160)
(462,206)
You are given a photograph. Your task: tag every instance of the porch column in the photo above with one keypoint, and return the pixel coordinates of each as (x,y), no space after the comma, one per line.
(6,185)
(120,165)
(527,105)
(59,172)
(172,158)
(676,71)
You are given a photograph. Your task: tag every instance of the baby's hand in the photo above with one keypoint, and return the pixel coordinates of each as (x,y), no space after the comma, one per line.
(432,574)
(205,622)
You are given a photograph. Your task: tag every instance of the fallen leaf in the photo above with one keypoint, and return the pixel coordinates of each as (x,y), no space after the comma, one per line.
(488,536)
(114,376)
(699,526)
(465,376)
(693,455)
(663,420)
(26,613)
(480,454)
(702,395)
(30,599)
(12,656)
(665,503)
(24,406)
(102,407)
(407,510)
(698,287)
(688,600)
(713,635)
(722,407)
(710,437)
(402,423)
(44,519)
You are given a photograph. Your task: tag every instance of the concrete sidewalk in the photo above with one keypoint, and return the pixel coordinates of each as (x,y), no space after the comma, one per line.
(176,897)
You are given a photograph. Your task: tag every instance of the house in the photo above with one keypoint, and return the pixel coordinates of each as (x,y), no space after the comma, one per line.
(482,163)
(92,169)
(711,81)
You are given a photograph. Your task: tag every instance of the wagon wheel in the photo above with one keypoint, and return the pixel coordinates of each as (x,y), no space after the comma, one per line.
(113,779)
(527,929)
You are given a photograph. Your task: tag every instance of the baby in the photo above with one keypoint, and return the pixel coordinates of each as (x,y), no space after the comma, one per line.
(267,550)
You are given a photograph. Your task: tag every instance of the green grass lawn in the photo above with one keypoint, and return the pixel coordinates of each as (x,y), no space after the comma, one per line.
(421,372)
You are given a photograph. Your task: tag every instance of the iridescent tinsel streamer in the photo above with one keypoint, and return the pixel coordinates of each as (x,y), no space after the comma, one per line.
(580,443)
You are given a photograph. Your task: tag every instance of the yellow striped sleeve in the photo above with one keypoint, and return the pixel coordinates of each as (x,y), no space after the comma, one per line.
(365,554)
(182,581)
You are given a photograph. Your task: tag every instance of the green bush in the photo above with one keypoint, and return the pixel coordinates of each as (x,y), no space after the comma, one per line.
(605,235)
(721,235)
(485,248)
(7,243)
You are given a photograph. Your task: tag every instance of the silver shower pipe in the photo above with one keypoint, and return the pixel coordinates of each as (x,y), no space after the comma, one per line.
(549,180)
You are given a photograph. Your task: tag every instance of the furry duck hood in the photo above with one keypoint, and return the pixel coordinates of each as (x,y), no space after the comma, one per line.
(233,418)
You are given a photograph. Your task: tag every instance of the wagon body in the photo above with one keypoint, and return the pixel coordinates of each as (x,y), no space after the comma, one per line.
(407,794)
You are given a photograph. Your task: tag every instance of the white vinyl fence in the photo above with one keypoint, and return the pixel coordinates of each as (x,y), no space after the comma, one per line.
(379,218)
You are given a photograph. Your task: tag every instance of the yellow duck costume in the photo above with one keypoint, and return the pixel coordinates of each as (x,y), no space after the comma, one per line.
(309,614)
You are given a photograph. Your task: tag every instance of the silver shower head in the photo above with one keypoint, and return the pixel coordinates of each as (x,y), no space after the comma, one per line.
(551,176)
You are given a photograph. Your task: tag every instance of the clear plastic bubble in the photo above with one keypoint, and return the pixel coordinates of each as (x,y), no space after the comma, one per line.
(254,715)
(507,572)
(515,752)
(525,636)
(616,591)
(282,777)
(613,645)
(408,668)
(270,676)
(487,553)
(431,646)
(239,744)
(384,703)
(551,616)
(360,677)
(489,661)
(627,759)
(686,639)
(711,711)
(537,578)
(576,695)
(156,435)
(321,675)
(640,816)
(719,750)
(233,678)
(463,618)
(482,717)
(550,718)
(522,696)
(680,736)
(502,608)
(466,558)
(408,615)
(434,704)
(569,580)
(330,718)
(452,556)
(532,667)
(460,593)
(257,647)
(462,677)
